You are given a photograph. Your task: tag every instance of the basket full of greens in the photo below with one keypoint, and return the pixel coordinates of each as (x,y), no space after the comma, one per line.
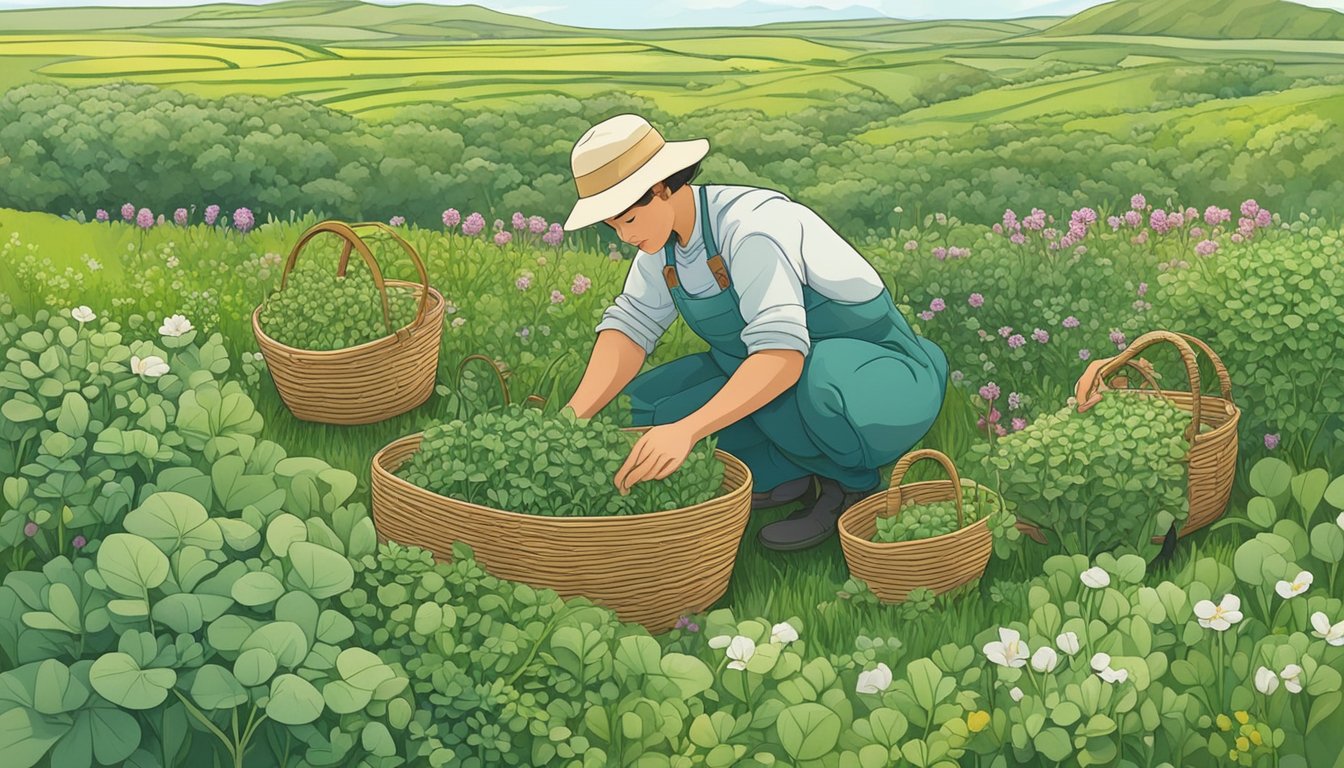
(532,494)
(1124,466)
(936,534)
(350,347)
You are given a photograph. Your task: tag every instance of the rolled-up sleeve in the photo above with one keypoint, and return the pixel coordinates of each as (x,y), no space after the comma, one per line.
(644,310)
(770,294)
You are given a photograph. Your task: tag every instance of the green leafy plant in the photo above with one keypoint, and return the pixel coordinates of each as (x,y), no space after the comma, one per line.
(925,520)
(318,309)
(522,460)
(1112,475)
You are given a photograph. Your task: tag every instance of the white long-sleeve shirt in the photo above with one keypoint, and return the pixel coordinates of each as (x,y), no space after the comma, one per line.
(772,246)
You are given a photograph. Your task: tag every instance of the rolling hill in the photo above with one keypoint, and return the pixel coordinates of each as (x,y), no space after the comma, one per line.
(1213,19)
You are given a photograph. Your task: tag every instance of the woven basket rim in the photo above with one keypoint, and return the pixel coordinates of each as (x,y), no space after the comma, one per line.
(380,472)
(423,320)
(847,520)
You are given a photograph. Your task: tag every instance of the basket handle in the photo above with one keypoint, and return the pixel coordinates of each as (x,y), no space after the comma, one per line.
(908,460)
(1219,370)
(1089,385)
(352,241)
(494,368)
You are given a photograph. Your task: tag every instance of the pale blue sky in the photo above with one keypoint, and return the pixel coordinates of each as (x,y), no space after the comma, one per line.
(622,14)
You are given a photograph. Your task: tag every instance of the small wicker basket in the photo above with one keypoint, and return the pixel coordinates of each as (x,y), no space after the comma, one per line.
(941,563)
(649,568)
(368,382)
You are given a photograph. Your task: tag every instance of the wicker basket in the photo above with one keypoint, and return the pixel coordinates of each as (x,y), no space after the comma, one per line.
(369,382)
(1212,460)
(649,568)
(941,563)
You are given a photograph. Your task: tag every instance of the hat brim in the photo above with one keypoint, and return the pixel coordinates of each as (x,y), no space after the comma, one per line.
(674,156)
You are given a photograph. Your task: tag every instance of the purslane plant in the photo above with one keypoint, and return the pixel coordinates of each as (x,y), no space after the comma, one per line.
(318,309)
(522,460)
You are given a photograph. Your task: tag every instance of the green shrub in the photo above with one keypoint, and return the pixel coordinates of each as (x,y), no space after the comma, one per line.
(522,460)
(1112,475)
(318,309)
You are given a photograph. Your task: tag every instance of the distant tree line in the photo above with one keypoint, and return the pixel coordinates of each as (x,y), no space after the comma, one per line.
(65,149)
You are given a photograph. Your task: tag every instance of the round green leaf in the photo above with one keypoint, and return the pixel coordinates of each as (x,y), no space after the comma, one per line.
(172,520)
(344,698)
(131,565)
(284,639)
(257,588)
(117,678)
(215,687)
(1270,477)
(293,701)
(376,740)
(283,531)
(254,666)
(318,571)
(807,731)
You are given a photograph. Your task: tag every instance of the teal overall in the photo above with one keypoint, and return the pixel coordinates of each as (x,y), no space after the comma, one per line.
(869,390)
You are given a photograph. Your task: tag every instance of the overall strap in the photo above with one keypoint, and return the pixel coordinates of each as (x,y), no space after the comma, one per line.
(717,266)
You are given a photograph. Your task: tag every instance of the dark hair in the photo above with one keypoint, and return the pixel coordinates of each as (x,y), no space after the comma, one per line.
(674,182)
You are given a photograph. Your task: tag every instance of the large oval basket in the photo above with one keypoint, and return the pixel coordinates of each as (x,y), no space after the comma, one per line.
(648,568)
(941,563)
(369,382)
(1212,458)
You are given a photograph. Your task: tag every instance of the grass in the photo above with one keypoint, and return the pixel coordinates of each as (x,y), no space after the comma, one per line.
(764,583)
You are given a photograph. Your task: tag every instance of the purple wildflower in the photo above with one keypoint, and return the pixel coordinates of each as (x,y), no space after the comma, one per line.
(1263,218)
(1143,289)
(1014,401)
(1084,354)
(1206,247)
(128,212)
(940,253)
(1040,335)
(937,305)
(1138,202)
(524,282)
(957,252)
(536,224)
(553,237)
(1016,341)
(1250,208)
(451,218)
(557,297)
(474,225)
(499,225)
(926,315)
(1006,331)
(1019,424)
(1236,237)
(211,215)
(1010,220)
(397,221)
(989,392)
(1175,220)
(144,219)
(502,238)
(911,245)
(1070,322)
(1158,221)
(1113,222)
(243,219)
(1271,442)
(30,530)
(1084,215)
(519,221)
(976,300)
(180,217)
(1017,238)
(1118,339)
(1036,220)
(1133,219)
(79,542)
(101,215)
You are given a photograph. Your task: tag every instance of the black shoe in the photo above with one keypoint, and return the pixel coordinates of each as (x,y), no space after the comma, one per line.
(812,525)
(803,489)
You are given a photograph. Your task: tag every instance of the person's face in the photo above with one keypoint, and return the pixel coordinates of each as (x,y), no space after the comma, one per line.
(648,226)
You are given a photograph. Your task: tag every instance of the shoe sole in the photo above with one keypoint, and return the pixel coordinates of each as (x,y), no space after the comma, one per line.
(804,544)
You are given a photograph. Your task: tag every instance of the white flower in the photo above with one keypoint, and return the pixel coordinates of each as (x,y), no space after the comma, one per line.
(874,680)
(1095,577)
(1016,694)
(1101,661)
(175,326)
(1068,642)
(1297,586)
(152,366)
(783,632)
(1266,681)
(83,314)
(740,650)
(1332,634)
(898,209)
(1009,650)
(1219,617)
(1292,678)
(720,641)
(1340,520)
(1114,675)
(1045,659)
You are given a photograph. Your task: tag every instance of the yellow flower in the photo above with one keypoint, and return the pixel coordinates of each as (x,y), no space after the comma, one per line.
(976,721)
(1243,744)
(1256,738)
(1224,723)
(1242,717)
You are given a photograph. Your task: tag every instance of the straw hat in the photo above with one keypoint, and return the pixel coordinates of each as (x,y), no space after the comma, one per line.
(620,159)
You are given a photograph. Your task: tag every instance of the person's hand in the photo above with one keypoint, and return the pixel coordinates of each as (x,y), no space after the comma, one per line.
(657,454)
